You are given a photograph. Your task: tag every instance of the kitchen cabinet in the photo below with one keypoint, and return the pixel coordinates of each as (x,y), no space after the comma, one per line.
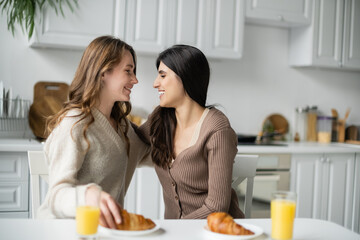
(356,210)
(77,29)
(279,12)
(214,26)
(14,184)
(145,24)
(150,26)
(144,195)
(325,186)
(225,29)
(332,40)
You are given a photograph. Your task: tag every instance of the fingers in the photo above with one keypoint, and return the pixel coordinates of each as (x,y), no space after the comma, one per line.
(109,210)
(114,208)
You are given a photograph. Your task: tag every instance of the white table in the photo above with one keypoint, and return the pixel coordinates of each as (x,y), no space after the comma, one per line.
(170,229)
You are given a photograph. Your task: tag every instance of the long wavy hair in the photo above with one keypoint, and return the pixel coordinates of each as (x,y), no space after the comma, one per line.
(192,67)
(102,55)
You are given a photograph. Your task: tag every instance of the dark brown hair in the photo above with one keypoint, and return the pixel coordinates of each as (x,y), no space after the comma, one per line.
(192,67)
(102,55)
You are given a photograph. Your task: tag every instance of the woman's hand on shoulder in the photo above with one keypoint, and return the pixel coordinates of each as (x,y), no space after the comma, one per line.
(109,209)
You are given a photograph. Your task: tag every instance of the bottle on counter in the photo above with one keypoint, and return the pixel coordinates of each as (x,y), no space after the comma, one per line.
(311,134)
(300,129)
(324,125)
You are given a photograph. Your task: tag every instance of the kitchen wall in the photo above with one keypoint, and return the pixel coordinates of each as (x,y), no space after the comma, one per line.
(247,90)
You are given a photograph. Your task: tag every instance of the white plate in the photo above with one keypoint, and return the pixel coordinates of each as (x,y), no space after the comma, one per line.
(127,233)
(9,102)
(255,229)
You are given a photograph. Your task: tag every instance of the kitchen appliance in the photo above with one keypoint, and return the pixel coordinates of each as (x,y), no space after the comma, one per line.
(256,140)
(272,174)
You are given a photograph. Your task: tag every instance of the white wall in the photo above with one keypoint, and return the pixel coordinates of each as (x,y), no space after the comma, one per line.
(248,90)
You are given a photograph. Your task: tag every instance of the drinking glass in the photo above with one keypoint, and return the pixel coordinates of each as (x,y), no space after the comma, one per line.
(87,212)
(283,206)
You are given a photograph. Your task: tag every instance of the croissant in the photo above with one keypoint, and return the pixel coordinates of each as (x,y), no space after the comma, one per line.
(134,222)
(222,222)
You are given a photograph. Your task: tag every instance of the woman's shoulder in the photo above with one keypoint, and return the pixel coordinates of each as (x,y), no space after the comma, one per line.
(216,120)
(73,121)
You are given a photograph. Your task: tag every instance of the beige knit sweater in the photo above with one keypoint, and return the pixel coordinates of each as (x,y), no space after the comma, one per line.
(105,164)
(199,180)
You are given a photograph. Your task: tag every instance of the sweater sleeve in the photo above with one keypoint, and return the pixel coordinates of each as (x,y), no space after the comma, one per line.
(222,148)
(139,154)
(65,155)
(139,146)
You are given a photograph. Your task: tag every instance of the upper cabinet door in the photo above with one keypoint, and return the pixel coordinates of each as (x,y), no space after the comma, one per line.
(78,28)
(225,28)
(351,54)
(189,22)
(279,12)
(328,32)
(333,38)
(146,25)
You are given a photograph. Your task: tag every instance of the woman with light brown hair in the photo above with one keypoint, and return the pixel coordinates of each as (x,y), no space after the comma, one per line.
(91,143)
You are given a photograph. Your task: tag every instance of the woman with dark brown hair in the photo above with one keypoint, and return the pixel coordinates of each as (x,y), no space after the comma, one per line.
(91,143)
(193,146)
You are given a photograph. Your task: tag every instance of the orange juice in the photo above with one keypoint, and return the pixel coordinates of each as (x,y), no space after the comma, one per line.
(87,220)
(282,218)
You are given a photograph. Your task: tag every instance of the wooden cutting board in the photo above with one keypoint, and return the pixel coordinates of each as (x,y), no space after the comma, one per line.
(49,98)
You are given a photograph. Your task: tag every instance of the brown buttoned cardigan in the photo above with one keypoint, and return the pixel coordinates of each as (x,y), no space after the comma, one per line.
(199,180)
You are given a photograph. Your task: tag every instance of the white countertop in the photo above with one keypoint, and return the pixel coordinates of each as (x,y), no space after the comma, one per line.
(304,228)
(305,147)
(20,145)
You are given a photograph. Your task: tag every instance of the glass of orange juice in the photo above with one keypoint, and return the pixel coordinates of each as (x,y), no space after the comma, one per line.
(87,212)
(283,206)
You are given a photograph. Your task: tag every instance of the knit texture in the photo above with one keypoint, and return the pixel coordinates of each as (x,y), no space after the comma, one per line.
(199,180)
(105,164)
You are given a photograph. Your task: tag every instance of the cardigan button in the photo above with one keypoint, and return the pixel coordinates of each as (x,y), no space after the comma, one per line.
(176,197)
(173,184)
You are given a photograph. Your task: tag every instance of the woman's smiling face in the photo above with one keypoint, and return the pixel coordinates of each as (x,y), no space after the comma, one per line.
(170,88)
(119,81)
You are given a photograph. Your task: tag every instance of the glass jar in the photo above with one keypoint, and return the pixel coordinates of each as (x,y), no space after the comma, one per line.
(311,124)
(324,125)
(300,129)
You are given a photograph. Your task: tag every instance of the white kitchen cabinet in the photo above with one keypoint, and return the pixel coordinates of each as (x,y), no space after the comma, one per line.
(91,19)
(214,26)
(332,40)
(283,13)
(144,195)
(351,46)
(150,26)
(224,29)
(14,186)
(145,24)
(188,22)
(356,210)
(325,186)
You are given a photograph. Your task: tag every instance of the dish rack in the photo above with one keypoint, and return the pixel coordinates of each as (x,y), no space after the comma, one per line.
(14,117)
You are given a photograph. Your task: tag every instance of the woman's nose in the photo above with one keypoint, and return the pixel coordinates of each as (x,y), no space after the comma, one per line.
(156,83)
(134,80)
